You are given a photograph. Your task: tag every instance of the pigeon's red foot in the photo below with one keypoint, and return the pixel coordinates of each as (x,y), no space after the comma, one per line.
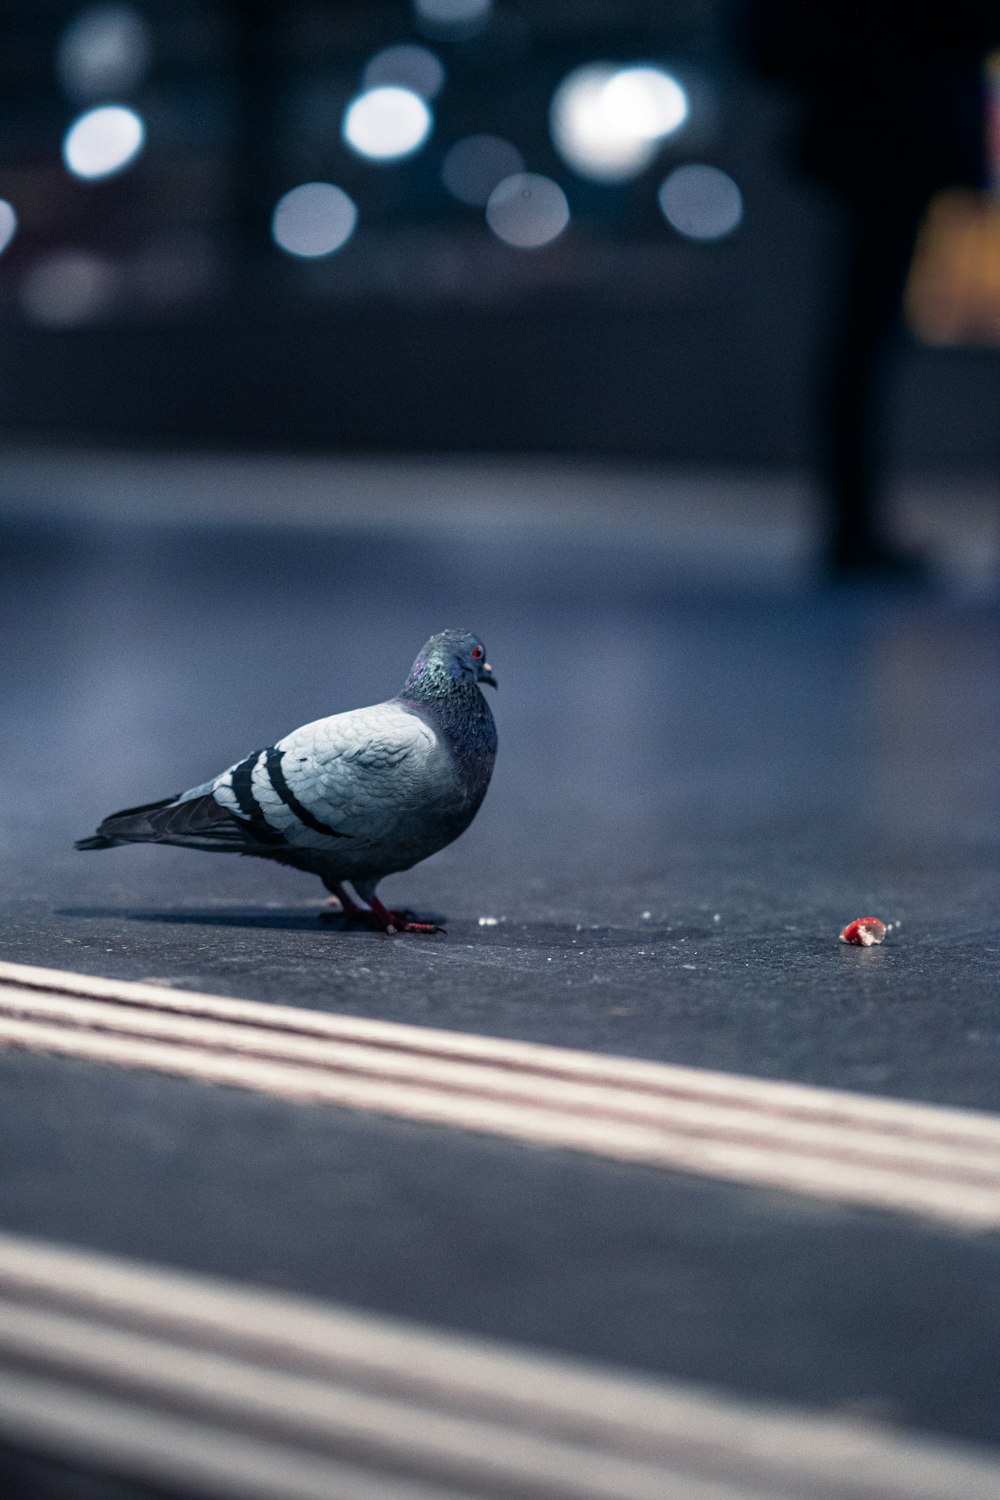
(342,908)
(398,921)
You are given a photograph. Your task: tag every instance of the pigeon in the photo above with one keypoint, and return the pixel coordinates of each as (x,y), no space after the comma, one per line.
(352,797)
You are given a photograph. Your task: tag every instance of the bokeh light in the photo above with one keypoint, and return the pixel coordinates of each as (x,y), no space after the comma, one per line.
(8,224)
(387,123)
(103,141)
(104,50)
(607,121)
(313,220)
(527,210)
(474,166)
(68,288)
(410,66)
(701,202)
(460,17)
(645,102)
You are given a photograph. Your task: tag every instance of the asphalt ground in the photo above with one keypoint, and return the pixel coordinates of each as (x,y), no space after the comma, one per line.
(762,1293)
(704,773)
(701,779)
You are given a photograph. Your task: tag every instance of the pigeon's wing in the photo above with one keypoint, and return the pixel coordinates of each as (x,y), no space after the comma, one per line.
(346,777)
(340,782)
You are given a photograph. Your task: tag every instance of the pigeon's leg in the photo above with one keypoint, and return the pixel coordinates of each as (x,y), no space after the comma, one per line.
(348,906)
(374,914)
(389,921)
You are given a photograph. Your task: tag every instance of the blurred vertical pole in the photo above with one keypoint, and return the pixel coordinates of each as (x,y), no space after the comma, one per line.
(891,101)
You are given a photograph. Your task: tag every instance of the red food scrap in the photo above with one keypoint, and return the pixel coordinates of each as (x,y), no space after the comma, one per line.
(864,931)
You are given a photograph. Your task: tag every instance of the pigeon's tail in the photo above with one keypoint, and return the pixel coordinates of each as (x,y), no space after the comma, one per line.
(133,825)
(198,822)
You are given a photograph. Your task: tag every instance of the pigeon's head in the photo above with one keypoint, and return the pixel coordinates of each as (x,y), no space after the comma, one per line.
(455,654)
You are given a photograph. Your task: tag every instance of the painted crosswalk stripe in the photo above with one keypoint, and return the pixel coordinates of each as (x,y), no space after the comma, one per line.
(849,1148)
(176,1379)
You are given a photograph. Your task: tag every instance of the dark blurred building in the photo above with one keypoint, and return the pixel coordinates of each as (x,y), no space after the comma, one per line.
(154,303)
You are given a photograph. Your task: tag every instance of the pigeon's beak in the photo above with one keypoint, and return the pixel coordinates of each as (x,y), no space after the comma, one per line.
(485,674)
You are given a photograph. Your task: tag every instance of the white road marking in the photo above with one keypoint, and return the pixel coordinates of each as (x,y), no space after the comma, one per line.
(849,1148)
(174,1379)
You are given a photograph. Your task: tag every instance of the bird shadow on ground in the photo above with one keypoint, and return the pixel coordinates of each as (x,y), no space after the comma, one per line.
(502,937)
(260,918)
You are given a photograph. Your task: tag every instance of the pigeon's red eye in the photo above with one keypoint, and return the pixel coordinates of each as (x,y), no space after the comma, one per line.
(477,653)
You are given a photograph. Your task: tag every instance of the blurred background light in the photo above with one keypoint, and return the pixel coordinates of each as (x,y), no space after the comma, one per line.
(67,288)
(410,66)
(461,17)
(527,210)
(106,49)
(645,102)
(701,202)
(313,220)
(474,166)
(103,141)
(387,123)
(8,224)
(607,121)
